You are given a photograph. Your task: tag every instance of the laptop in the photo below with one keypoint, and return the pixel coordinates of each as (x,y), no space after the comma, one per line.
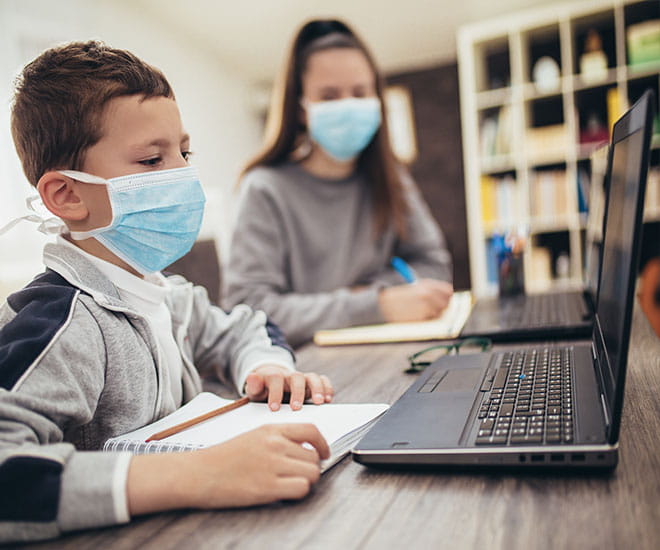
(567,314)
(556,405)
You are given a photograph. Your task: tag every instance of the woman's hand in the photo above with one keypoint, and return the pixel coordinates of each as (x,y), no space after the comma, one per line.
(418,301)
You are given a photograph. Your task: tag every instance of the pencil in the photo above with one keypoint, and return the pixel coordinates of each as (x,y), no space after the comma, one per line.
(201,418)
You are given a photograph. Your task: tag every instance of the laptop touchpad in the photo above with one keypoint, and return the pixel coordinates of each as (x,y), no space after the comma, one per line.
(460,380)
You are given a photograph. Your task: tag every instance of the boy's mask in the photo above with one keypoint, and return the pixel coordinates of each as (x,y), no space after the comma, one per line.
(344,127)
(156,216)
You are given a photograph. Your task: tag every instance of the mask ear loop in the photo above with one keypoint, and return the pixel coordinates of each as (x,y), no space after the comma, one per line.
(48,225)
(86,178)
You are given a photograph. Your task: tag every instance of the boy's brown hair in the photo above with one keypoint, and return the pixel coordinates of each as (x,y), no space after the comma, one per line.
(60,99)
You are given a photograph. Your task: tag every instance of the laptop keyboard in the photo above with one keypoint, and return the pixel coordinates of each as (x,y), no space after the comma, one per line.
(530,399)
(551,309)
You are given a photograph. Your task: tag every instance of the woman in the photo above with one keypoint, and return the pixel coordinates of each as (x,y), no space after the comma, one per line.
(325,206)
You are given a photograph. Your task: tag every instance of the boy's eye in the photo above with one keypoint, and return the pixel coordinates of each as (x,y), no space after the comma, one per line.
(150,162)
(186,155)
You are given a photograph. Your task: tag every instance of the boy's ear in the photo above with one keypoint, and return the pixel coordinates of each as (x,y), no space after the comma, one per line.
(60,196)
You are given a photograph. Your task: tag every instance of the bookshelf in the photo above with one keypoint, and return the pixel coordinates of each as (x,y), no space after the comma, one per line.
(539,93)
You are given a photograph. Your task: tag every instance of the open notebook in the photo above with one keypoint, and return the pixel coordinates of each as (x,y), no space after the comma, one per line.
(341,425)
(448,325)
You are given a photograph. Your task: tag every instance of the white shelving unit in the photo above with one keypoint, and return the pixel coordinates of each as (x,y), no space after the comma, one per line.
(534,137)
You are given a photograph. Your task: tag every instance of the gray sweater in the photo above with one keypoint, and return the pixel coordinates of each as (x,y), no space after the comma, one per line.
(301,242)
(77,366)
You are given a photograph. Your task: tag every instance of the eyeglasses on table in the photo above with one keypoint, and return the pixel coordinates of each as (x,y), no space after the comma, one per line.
(418,361)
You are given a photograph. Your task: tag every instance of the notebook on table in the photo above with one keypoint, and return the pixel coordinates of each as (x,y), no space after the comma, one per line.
(566,314)
(557,405)
(447,325)
(342,426)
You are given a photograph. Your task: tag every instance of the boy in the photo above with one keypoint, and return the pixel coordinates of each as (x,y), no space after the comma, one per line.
(102,342)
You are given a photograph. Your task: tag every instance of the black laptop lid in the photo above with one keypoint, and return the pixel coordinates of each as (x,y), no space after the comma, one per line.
(601,160)
(621,247)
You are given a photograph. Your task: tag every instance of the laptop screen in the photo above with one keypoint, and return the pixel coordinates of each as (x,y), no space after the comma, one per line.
(620,253)
(593,245)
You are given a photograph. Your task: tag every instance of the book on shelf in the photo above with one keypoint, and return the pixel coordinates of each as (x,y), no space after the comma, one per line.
(548,194)
(447,325)
(547,142)
(488,202)
(583,189)
(496,133)
(540,267)
(342,425)
(491,262)
(499,200)
(614,107)
(643,40)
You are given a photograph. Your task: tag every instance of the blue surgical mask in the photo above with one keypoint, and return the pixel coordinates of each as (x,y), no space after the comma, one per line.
(344,127)
(156,216)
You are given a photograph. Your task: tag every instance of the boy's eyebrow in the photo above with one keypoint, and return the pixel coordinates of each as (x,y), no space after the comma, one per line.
(158,143)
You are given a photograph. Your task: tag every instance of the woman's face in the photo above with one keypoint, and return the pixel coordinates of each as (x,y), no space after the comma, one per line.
(337,73)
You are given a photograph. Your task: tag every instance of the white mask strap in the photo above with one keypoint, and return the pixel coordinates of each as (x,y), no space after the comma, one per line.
(83,176)
(48,224)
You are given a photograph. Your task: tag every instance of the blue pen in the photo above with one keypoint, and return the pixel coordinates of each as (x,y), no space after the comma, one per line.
(403,269)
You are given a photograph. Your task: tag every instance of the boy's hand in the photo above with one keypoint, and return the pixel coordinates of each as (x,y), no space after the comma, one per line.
(419,301)
(273,381)
(260,466)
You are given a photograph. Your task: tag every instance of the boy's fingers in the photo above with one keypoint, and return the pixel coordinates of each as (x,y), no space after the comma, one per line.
(315,388)
(305,453)
(328,390)
(307,433)
(275,385)
(292,487)
(297,390)
(254,386)
(292,467)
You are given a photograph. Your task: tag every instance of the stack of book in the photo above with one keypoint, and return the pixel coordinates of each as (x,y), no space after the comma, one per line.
(548,194)
(547,143)
(500,204)
(495,133)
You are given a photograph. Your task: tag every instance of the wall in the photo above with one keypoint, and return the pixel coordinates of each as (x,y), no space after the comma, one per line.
(215,105)
(438,168)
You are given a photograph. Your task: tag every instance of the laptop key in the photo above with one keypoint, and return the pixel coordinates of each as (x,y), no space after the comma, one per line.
(487,424)
(500,378)
(506,410)
(526,439)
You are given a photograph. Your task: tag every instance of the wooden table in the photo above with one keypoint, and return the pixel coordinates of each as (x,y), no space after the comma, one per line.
(354,507)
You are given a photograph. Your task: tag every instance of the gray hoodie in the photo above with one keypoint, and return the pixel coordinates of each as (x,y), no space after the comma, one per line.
(77,366)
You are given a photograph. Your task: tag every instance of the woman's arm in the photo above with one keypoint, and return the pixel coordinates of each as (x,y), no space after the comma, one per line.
(424,248)
(257,274)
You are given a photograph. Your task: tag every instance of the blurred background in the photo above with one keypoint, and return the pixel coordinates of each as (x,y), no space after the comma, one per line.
(221,58)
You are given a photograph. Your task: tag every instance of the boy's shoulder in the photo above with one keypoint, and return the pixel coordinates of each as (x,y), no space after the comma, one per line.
(30,320)
(45,296)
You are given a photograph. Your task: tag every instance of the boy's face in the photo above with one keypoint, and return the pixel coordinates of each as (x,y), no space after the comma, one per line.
(139,135)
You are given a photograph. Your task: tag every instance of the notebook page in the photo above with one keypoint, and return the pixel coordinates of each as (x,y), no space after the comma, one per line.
(448,325)
(334,421)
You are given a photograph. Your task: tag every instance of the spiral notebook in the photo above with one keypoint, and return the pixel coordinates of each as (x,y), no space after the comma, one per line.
(447,325)
(342,425)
